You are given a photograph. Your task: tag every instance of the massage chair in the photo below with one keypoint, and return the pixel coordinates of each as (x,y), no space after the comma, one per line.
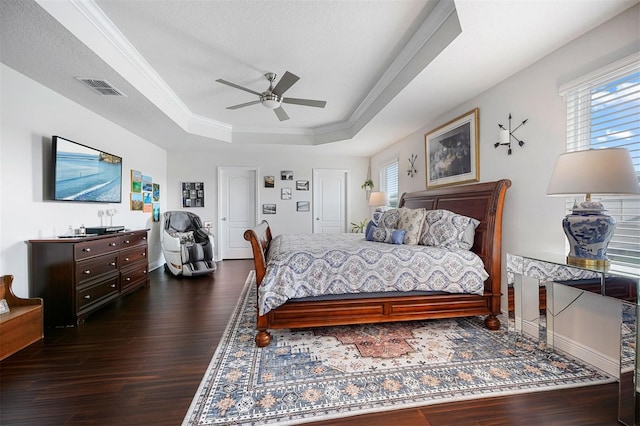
(187,246)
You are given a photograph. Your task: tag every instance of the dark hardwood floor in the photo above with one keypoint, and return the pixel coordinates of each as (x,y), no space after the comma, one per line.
(140,361)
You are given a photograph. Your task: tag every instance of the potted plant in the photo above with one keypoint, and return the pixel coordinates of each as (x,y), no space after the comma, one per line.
(367,185)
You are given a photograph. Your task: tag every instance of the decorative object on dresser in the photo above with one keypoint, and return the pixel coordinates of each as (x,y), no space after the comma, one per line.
(76,276)
(21,325)
(588,229)
(507,134)
(481,202)
(452,153)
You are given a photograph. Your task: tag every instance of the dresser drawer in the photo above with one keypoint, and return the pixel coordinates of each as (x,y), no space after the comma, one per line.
(133,255)
(92,248)
(94,293)
(133,239)
(133,276)
(91,268)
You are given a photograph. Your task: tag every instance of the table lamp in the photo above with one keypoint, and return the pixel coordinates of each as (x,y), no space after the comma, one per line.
(378,199)
(588,229)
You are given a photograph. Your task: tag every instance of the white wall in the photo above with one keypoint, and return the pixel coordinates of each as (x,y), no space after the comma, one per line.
(30,115)
(202,167)
(532,220)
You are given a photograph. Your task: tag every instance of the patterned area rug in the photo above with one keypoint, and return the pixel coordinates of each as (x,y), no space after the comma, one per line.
(314,374)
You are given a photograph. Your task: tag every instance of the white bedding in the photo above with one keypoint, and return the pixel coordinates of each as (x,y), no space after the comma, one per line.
(303,265)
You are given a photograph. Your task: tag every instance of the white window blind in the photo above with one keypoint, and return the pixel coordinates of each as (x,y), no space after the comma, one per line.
(603,111)
(389,181)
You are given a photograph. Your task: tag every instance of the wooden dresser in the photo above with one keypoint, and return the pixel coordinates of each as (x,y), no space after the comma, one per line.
(76,276)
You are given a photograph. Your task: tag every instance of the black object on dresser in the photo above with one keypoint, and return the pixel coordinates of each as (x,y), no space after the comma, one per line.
(76,276)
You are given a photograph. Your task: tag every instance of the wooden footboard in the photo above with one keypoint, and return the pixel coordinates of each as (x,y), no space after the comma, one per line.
(482,201)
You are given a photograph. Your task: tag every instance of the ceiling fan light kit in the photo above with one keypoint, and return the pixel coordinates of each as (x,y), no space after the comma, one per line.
(273,97)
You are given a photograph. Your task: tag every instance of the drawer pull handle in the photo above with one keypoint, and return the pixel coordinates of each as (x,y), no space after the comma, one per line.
(112,244)
(86,249)
(126,259)
(127,241)
(112,263)
(112,286)
(144,272)
(144,254)
(88,296)
(87,272)
(128,279)
(144,238)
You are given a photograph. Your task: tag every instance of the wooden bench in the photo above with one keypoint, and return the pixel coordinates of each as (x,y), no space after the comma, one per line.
(23,325)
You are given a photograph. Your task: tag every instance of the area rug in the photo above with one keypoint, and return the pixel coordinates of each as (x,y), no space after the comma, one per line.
(316,374)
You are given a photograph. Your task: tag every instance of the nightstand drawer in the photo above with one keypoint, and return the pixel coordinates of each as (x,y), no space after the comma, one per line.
(133,239)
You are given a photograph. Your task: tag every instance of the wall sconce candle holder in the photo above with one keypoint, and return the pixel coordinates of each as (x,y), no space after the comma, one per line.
(411,170)
(506,135)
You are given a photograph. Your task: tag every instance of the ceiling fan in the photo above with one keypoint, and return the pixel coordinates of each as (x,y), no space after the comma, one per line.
(273,97)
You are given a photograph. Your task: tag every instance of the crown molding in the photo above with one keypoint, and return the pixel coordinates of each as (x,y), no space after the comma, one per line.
(86,21)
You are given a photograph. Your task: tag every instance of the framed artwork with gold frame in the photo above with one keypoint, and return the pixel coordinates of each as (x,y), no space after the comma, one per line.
(452,153)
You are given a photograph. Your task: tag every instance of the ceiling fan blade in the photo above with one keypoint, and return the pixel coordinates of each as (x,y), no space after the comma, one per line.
(228,83)
(285,83)
(281,114)
(246,104)
(305,102)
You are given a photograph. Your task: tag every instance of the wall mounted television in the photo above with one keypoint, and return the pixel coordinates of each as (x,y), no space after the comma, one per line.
(82,173)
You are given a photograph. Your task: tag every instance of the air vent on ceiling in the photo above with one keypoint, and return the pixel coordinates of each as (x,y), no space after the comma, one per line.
(103,87)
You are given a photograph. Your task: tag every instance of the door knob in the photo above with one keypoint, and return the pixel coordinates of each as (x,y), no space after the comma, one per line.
(223,219)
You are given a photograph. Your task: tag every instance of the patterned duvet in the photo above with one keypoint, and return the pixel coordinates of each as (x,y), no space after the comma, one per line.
(303,265)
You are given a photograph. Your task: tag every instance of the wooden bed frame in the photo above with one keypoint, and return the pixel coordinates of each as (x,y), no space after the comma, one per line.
(483,201)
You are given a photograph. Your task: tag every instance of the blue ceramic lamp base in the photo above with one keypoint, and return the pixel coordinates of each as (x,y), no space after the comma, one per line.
(589,231)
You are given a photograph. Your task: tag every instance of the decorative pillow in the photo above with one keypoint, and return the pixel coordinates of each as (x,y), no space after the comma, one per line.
(368,233)
(387,235)
(375,217)
(446,229)
(389,219)
(186,238)
(411,221)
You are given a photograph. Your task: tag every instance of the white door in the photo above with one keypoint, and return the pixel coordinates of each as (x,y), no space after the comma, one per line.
(237,210)
(329,201)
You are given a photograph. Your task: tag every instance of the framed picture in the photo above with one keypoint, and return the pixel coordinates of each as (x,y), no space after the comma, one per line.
(285,193)
(136,181)
(156,212)
(452,152)
(268,209)
(286,175)
(156,192)
(269,181)
(147,183)
(137,202)
(192,194)
(302,185)
(303,206)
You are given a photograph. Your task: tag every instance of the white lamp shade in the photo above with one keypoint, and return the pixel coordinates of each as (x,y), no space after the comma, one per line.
(378,199)
(594,171)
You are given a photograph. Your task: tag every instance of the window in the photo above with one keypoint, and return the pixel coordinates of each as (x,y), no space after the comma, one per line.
(603,111)
(389,181)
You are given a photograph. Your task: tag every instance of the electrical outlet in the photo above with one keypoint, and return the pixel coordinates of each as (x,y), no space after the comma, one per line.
(208,224)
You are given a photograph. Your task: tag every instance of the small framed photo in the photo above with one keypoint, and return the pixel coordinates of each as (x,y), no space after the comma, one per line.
(285,193)
(302,185)
(268,209)
(286,175)
(269,181)
(303,206)
(451,152)
(4,306)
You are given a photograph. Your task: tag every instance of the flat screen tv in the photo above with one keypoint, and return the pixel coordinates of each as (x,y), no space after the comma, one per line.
(82,173)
